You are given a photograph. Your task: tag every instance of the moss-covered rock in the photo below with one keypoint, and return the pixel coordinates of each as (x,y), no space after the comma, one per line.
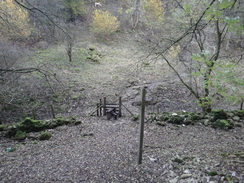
(2,128)
(219,114)
(178,160)
(239,113)
(212,173)
(161,123)
(176,119)
(223,124)
(20,135)
(194,116)
(30,125)
(45,136)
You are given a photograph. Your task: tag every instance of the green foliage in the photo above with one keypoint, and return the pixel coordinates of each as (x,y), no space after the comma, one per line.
(30,125)
(239,113)
(176,119)
(20,135)
(219,114)
(229,82)
(45,136)
(213,173)
(104,23)
(223,124)
(186,118)
(134,117)
(2,127)
(76,7)
(178,160)
(93,55)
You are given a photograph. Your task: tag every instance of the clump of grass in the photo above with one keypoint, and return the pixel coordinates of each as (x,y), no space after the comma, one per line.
(20,135)
(45,136)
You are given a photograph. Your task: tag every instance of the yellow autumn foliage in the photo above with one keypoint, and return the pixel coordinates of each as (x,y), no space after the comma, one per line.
(14,20)
(154,11)
(174,51)
(104,23)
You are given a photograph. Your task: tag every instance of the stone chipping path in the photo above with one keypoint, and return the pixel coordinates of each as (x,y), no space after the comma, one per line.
(106,151)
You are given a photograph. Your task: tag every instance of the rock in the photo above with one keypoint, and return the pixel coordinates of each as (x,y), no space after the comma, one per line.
(87,134)
(242,157)
(152,159)
(175,180)
(236,118)
(161,123)
(185,176)
(187,171)
(232,156)
(223,124)
(206,122)
(132,93)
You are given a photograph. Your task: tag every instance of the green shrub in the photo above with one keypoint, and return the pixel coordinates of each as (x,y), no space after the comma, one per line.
(45,136)
(223,124)
(20,135)
(134,117)
(219,114)
(30,125)
(213,173)
(2,128)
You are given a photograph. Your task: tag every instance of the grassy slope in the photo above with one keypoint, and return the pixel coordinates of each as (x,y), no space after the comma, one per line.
(83,82)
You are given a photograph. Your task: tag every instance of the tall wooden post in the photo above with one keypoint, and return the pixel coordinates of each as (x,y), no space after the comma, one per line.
(141,130)
(120,106)
(100,107)
(104,106)
(52,111)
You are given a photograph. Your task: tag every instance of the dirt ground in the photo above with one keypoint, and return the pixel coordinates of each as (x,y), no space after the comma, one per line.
(99,150)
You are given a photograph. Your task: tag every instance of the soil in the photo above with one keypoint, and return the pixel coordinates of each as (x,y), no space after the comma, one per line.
(99,150)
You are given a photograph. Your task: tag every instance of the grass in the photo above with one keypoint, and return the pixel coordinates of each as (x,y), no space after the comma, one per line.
(83,79)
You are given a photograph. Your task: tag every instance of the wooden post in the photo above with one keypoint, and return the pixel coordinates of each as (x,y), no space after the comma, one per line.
(120,106)
(141,130)
(34,114)
(100,107)
(104,106)
(52,111)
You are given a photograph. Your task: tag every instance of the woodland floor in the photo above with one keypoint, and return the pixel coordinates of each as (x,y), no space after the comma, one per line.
(99,150)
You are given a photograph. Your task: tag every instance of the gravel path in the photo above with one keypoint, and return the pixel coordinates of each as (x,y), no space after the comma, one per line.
(106,151)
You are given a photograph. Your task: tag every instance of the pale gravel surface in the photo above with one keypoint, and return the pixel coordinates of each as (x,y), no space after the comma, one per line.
(106,151)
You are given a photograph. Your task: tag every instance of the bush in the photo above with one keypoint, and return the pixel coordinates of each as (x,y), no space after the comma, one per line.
(2,128)
(20,135)
(154,11)
(134,117)
(45,136)
(30,125)
(223,124)
(103,23)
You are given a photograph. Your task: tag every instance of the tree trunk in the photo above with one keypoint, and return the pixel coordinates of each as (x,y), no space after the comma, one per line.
(136,15)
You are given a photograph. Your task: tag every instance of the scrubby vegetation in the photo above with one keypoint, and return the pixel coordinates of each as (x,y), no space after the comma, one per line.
(19,131)
(45,136)
(217,119)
